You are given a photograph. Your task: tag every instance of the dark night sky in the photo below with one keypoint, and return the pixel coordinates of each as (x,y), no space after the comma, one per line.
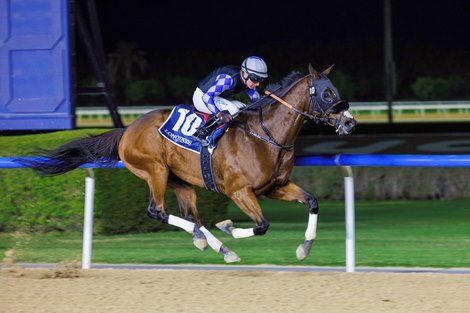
(215,26)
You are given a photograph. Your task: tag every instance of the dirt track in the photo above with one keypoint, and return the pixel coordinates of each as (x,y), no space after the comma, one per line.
(68,289)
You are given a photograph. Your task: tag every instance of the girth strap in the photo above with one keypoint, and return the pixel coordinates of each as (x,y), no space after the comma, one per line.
(206,169)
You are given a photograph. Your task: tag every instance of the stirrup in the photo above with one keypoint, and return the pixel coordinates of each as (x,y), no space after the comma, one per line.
(204,142)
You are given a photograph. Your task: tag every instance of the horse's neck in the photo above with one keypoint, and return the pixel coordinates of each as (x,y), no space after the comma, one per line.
(284,123)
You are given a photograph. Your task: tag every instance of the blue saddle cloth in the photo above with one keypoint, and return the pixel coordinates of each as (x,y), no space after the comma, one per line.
(183,123)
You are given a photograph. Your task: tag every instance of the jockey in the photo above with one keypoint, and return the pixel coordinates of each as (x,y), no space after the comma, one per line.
(214,94)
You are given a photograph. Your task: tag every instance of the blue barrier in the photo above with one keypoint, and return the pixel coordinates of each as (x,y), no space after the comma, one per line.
(407,160)
(345,160)
(11,163)
(411,160)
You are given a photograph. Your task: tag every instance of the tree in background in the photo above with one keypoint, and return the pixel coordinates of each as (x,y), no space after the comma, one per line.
(438,88)
(181,89)
(125,64)
(144,91)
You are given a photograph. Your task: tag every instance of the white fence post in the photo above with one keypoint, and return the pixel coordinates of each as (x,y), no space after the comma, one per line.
(350,218)
(88,219)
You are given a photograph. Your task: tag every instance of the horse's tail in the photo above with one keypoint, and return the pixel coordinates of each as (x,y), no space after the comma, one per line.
(102,149)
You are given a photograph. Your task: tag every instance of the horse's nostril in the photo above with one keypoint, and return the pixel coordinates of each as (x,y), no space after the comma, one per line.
(350,125)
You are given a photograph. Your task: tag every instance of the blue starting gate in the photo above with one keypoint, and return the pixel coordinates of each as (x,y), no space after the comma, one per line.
(35,75)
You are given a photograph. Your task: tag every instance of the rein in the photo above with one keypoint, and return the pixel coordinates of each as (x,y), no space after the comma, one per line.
(316,117)
(270,140)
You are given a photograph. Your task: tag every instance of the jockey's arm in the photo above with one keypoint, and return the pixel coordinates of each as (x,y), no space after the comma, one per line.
(222,82)
(253,94)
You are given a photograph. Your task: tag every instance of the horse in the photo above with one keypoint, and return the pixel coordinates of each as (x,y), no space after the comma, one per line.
(254,158)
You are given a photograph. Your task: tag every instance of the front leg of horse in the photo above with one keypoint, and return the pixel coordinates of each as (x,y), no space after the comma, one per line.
(292,192)
(248,203)
(227,227)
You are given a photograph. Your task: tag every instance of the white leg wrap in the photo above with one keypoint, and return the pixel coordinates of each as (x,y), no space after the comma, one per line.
(181,223)
(242,232)
(311,232)
(211,240)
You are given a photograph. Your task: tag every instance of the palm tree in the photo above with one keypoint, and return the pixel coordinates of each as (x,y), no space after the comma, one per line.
(125,61)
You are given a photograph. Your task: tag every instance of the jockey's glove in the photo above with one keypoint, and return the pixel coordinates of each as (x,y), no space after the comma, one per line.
(224,117)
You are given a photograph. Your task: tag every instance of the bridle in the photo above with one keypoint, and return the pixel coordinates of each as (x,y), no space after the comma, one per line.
(330,115)
(317,114)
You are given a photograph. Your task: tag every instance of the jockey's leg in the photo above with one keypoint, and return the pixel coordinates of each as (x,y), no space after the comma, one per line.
(292,192)
(233,106)
(205,130)
(248,203)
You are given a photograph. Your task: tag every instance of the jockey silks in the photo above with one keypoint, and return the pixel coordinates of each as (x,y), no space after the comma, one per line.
(224,82)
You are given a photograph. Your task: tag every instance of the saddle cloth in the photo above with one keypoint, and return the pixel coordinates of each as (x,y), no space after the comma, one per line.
(183,123)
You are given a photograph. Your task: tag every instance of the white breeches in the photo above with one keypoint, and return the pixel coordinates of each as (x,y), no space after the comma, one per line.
(233,106)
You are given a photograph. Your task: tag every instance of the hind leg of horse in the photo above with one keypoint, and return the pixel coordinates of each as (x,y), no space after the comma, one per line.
(157,211)
(186,197)
(247,201)
(157,182)
(292,192)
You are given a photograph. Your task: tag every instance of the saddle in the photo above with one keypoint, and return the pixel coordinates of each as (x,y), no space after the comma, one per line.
(179,127)
(183,122)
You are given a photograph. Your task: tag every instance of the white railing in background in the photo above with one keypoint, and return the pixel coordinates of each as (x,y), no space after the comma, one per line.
(418,106)
(365,111)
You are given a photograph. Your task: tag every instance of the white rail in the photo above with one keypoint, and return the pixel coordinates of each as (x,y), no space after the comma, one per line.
(399,106)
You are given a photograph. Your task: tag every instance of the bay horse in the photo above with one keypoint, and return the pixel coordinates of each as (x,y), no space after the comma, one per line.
(254,158)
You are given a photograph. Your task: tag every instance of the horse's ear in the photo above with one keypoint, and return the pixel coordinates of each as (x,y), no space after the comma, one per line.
(313,72)
(328,70)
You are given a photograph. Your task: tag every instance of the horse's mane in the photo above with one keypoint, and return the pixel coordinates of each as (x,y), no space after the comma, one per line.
(280,88)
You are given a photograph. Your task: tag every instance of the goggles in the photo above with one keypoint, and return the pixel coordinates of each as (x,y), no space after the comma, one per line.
(255,78)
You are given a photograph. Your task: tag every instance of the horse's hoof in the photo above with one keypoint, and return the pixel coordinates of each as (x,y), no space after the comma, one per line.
(231,257)
(303,250)
(199,239)
(225,226)
(200,243)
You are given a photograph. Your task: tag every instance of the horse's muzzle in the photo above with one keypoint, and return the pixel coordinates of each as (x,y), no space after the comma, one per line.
(347,124)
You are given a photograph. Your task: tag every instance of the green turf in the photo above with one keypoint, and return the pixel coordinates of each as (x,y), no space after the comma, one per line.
(388,233)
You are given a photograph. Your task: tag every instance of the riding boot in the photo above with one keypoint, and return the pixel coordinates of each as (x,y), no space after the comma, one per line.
(203,132)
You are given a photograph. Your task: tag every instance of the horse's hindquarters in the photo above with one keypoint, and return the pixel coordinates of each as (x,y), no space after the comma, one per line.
(141,144)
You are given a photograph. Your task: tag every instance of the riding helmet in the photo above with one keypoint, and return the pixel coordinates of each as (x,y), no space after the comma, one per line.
(256,66)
